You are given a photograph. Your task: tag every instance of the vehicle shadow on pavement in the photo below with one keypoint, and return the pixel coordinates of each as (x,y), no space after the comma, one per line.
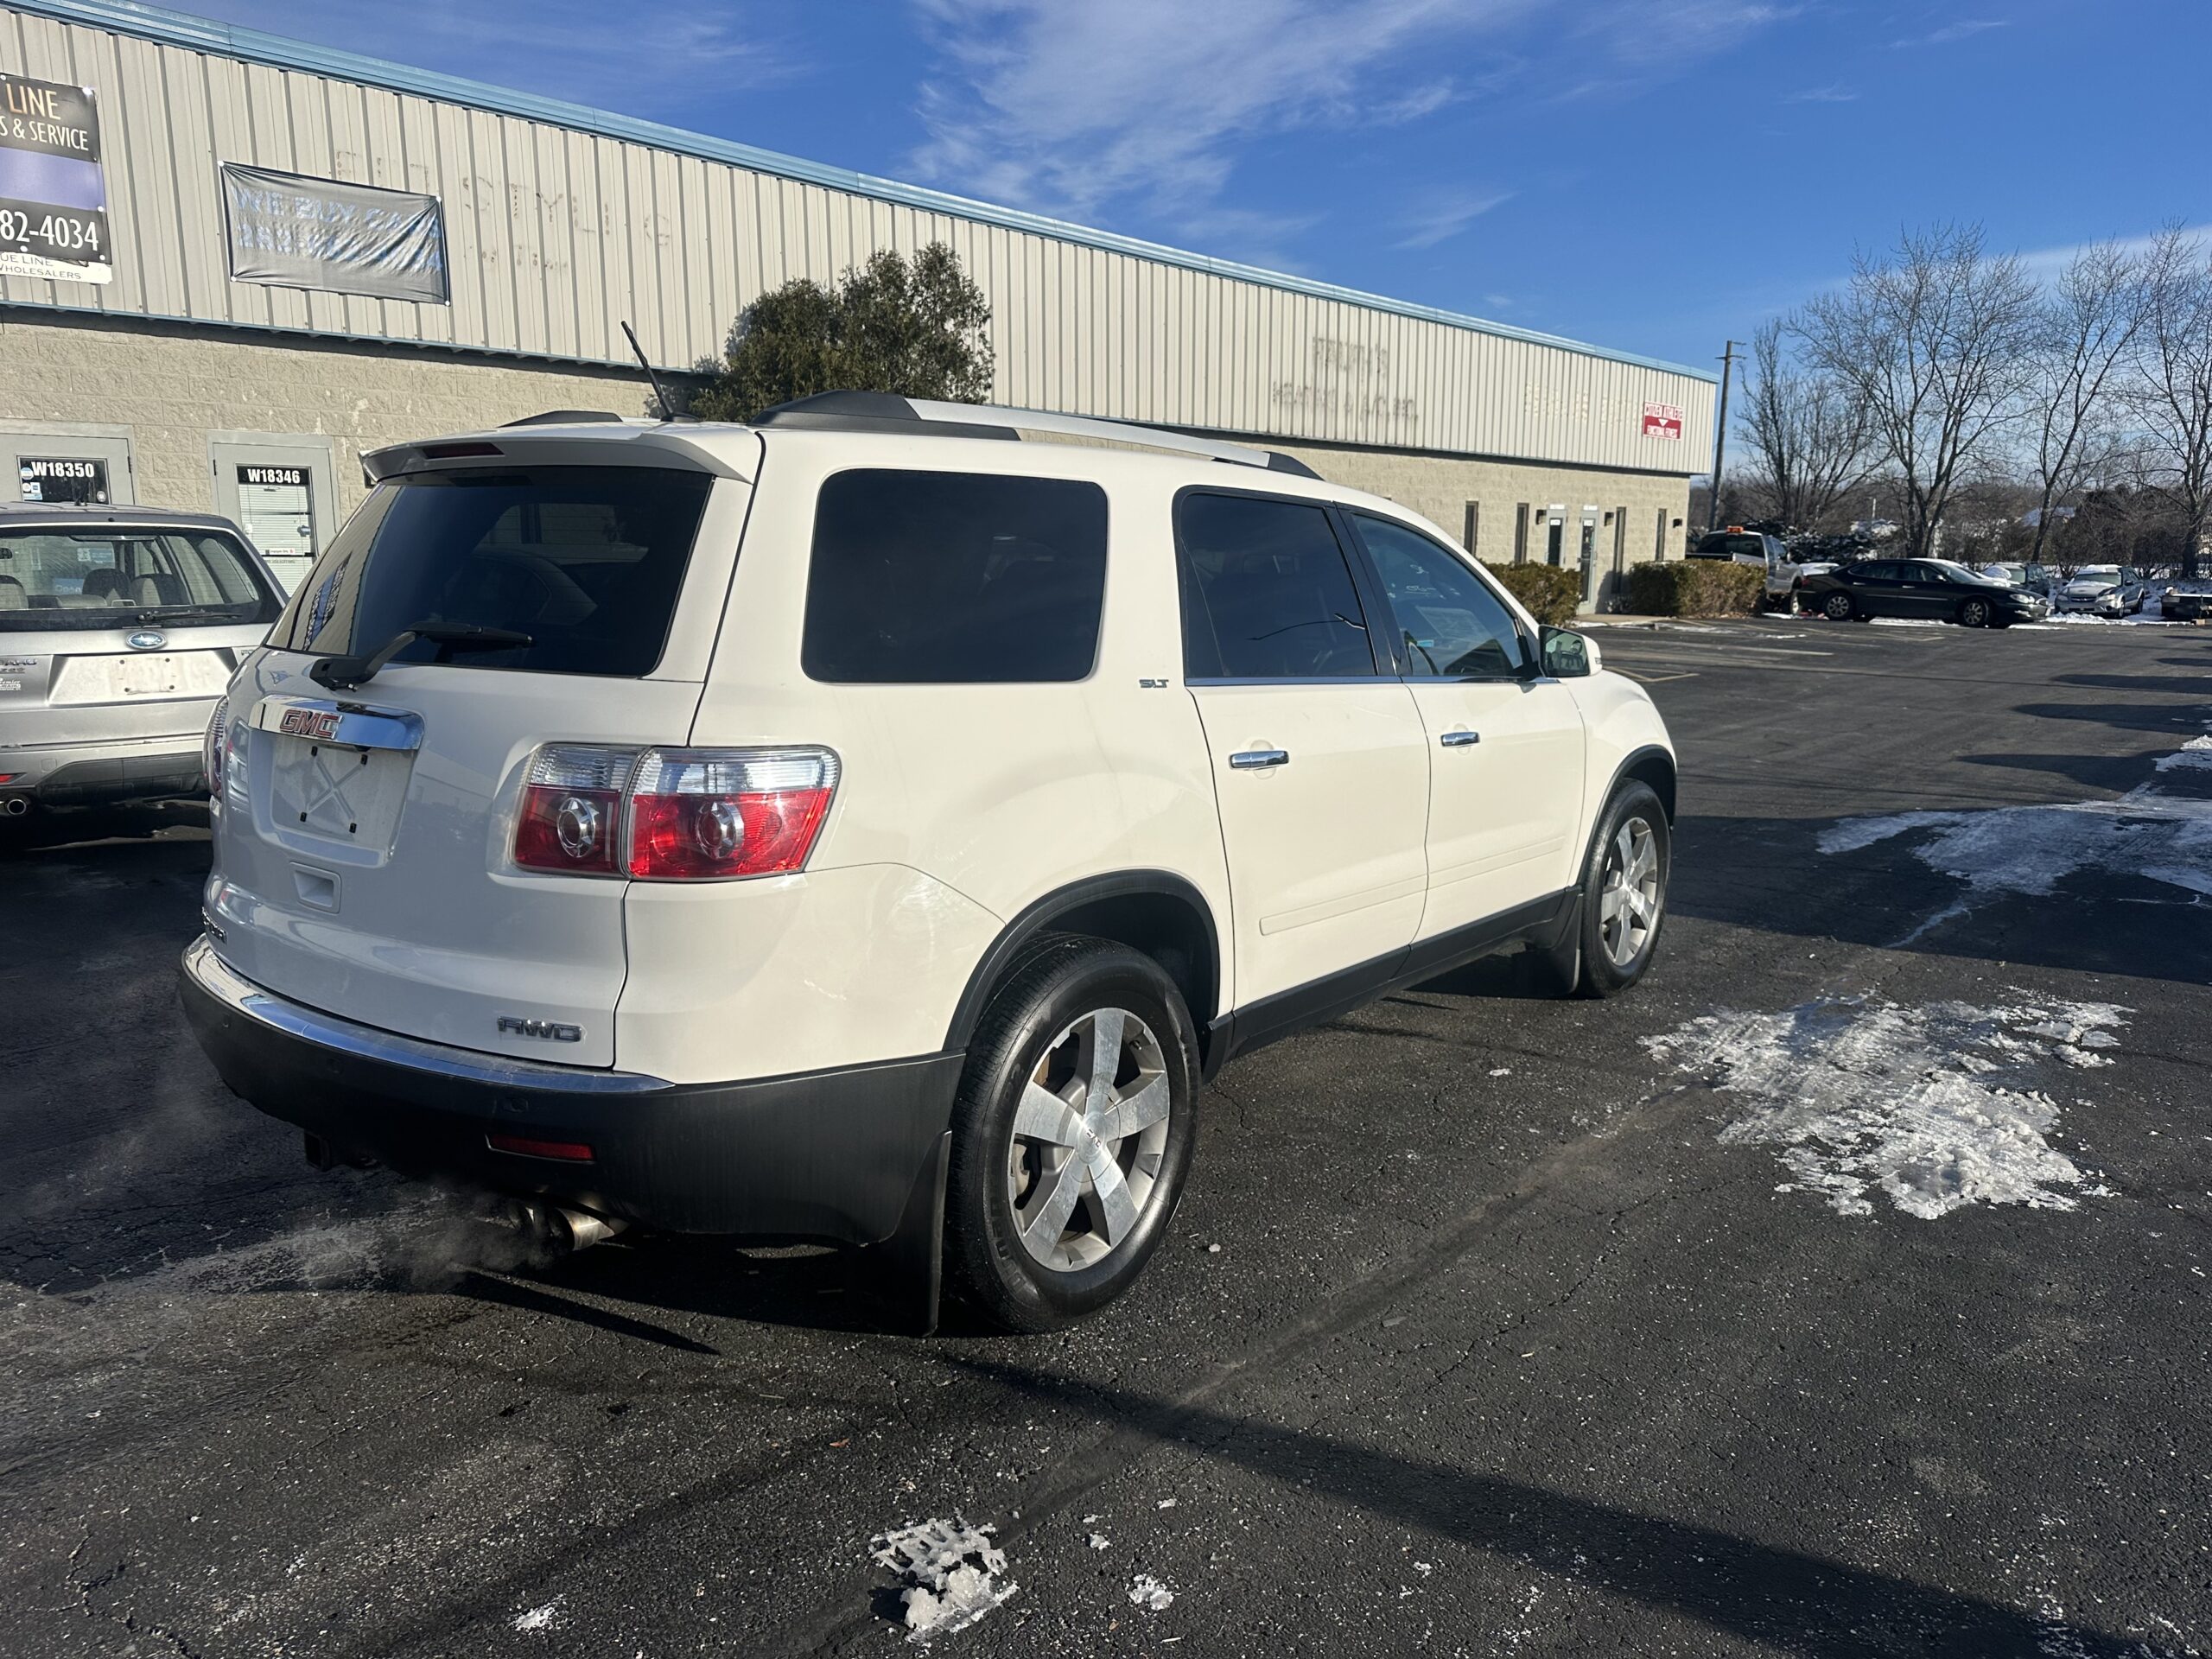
(1800,1603)
(813,1288)
(1768,875)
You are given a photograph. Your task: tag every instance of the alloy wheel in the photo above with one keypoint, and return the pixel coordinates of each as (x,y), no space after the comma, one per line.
(1089,1139)
(1629,896)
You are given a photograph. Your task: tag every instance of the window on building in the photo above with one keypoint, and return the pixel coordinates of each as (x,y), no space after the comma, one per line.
(1267,593)
(1449,625)
(1521,534)
(1659,538)
(1474,528)
(954,578)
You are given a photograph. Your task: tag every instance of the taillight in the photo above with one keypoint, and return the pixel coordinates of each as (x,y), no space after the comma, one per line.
(673,815)
(215,748)
(704,814)
(572,809)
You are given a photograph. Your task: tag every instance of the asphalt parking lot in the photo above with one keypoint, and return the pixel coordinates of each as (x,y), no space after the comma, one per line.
(1842,1290)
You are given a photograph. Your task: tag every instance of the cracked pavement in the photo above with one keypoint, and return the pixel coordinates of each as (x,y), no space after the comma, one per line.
(1470,1337)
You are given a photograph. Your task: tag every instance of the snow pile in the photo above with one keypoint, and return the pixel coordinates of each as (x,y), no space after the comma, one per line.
(951,1571)
(2029,850)
(1151,1594)
(1920,1103)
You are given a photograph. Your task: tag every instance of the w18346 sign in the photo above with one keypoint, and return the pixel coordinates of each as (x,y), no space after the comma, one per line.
(52,198)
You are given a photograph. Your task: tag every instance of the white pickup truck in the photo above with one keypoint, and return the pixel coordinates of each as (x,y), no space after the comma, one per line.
(1763,552)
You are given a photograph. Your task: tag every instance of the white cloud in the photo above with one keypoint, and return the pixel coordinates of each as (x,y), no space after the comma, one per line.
(1442,217)
(1821,95)
(559,49)
(1072,106)
(1965,29)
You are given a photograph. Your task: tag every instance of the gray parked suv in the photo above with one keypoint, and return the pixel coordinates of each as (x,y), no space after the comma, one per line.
(119,627)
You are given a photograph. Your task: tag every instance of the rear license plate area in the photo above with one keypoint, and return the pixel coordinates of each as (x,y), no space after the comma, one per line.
(336,793)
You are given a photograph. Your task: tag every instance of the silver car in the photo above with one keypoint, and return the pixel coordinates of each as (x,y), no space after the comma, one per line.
(119,627)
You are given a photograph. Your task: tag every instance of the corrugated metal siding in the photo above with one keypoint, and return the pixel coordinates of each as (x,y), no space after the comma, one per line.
(553,235)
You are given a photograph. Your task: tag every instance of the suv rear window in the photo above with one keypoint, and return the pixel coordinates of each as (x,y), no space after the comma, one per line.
(954,578)
(108,576)
(587,561)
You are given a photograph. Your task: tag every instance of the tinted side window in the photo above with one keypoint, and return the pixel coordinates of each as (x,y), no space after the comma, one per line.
(1880,570)
(1267,593)
(954,578)
(1448,624)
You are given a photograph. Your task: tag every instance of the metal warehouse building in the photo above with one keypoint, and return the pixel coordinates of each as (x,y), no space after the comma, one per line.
(230,263)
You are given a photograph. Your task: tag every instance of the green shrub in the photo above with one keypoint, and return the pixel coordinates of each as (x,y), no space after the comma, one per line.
(1550,591)
(1694,587)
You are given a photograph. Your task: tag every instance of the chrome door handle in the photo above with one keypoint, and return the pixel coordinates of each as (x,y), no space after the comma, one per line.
(1459,739)
(1252,760)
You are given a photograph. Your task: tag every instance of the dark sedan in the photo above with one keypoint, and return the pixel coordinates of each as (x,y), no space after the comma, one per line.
(1931,589)
(2187,601)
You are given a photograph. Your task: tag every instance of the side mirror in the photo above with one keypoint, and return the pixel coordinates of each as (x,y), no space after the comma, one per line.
(1567,655)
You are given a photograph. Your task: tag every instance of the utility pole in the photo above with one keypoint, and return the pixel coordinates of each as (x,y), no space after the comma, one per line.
(1719,439)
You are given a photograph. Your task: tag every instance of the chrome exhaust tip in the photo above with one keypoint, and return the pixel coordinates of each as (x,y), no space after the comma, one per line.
(579,1230)
(16,806)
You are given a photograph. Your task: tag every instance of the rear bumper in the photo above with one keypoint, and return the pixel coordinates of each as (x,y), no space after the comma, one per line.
(825,1155)
(77,774)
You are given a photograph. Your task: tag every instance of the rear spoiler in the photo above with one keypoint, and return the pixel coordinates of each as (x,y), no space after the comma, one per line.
(696,447)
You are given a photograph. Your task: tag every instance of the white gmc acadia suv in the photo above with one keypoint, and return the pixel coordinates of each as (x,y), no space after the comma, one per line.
(864,825)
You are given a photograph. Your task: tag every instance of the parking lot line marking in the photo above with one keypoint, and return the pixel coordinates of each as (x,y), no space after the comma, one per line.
(1726,651)
(1656,679)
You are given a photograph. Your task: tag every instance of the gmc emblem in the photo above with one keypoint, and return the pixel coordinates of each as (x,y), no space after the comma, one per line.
(310,722)
(551,1030)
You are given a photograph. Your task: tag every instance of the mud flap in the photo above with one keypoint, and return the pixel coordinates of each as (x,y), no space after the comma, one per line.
(1559,958)
(912,1259)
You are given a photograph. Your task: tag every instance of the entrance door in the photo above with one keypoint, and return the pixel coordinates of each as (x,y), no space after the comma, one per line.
(1320,764)
(1505,748)
(280,491)
(1556,540)
(56,466)
(1588,561)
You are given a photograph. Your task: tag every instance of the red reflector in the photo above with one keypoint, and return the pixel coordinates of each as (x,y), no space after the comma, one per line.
(679,836)
(458,451)
(573,1152)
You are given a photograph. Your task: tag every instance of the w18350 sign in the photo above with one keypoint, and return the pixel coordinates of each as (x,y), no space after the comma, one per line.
(52,198)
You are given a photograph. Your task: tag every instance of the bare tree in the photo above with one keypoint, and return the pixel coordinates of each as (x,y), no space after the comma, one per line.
(2173,392)
(2086,327)
(1807,432)
(1932,341)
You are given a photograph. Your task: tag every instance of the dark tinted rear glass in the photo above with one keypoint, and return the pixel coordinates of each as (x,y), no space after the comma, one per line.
(954,578)
(1265,592)
(585,560)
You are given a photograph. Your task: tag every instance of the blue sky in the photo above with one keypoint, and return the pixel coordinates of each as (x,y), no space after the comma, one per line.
(1648,175)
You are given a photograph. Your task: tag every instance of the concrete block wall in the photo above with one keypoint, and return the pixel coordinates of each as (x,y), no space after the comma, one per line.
(171,386)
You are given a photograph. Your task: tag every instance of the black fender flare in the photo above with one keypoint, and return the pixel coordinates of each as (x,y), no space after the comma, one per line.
(1038,916)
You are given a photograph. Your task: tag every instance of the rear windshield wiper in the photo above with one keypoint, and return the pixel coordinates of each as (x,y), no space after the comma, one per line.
(344,673)
(199,613)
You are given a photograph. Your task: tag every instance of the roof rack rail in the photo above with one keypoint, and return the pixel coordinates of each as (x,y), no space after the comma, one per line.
(883,411)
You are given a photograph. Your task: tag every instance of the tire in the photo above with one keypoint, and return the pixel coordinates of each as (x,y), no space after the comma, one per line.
(1012,1154)
(1633,815)
(1838,608)
(1974,613)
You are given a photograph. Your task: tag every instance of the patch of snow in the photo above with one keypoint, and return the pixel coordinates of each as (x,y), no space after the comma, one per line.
(547,1617)
(1904,622)
(2029,850)
(2197,752)
(1100,1540)
(1920,1103)
(1150,1593)
(949,1572)
(1501,1071)
(1167,1503)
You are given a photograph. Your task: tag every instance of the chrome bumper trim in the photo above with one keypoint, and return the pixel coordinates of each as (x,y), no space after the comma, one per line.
(212,976)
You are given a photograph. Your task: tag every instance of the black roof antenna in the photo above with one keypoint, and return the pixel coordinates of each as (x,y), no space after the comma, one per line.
(667,413)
